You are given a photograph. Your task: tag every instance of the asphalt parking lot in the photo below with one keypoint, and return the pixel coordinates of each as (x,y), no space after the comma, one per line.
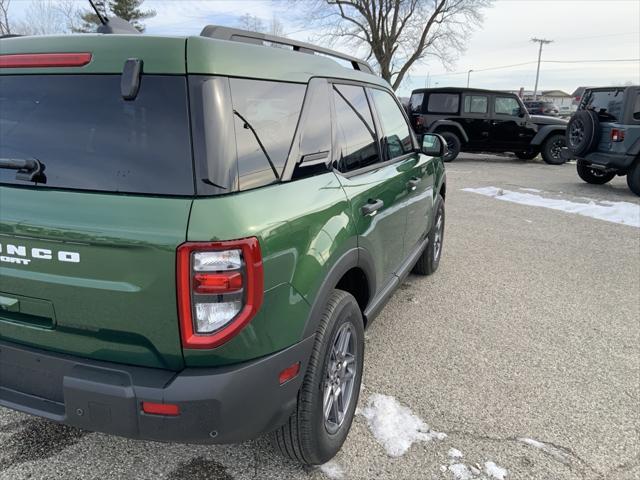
(523,349)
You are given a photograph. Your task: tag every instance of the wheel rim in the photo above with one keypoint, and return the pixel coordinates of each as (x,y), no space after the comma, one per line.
(556,148)
(576,132)
(450,148)
(340,378)
(437,239)
(596,173)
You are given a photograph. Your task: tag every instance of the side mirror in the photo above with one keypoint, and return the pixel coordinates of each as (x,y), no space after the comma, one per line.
(522,112)
(434,145)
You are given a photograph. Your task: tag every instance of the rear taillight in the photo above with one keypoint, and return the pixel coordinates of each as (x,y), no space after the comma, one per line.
(40,60)
(617,135)
(220,288)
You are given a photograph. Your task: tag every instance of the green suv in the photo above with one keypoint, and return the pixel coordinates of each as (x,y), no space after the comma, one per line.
(194,233)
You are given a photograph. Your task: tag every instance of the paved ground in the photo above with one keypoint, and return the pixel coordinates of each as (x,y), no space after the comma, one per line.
(530,329)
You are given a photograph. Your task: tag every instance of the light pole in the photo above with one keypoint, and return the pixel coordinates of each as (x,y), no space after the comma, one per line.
(468,77)
(542,42)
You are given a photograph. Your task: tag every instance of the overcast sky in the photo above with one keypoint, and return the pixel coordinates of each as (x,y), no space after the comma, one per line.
(581,30)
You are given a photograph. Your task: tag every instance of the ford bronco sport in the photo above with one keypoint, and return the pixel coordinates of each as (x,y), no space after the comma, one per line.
(604,136)
(195,231)
(473,120)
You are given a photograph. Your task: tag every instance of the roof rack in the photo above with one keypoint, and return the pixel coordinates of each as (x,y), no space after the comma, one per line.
(236,35)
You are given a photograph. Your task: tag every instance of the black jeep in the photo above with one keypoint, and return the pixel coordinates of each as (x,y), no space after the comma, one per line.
(473,120)
(604,135)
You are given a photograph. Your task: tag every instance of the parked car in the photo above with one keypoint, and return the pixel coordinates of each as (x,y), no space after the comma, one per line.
(604,135)
(194,233)
(473,120)
(542,108)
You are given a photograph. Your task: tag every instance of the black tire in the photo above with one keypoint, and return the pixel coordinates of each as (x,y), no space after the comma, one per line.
(305,438)
(583,132)
(593,175)
(527,155)
(633,177)
(552,147)
(453,145)
(430,259)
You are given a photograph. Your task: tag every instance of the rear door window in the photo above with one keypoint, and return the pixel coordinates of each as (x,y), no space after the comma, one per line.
(475,104)
(355,130)
(397,136)
(89,138)
(266,114)
(443,103)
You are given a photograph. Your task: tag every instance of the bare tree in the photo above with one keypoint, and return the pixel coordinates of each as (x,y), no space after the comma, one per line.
(41,17)
(399,33)
(255,24)
(5,28)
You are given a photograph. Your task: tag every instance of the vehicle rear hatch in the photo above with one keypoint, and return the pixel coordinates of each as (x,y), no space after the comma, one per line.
(87,252)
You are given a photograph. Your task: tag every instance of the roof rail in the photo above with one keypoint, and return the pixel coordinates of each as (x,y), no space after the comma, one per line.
(236,35)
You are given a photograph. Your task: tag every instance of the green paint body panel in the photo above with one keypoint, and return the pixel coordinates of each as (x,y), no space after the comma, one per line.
(161,55)
(303,227)
(119,302)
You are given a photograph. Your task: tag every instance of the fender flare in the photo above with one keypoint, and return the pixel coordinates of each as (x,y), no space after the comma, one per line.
(545,131)
(354,257)
(635,147)
(449,123)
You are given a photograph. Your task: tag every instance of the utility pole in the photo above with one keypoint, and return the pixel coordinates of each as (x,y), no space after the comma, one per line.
(468,77)
(542,42)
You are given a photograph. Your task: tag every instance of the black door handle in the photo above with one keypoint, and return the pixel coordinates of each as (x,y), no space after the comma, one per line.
(412,184)
(371,207)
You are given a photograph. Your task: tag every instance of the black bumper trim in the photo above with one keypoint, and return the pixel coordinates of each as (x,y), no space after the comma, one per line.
(217,405)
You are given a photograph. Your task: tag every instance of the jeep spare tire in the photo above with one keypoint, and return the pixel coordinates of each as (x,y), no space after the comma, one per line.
(583,132)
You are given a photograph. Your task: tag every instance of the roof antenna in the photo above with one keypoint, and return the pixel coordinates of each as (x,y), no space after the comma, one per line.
(102,19)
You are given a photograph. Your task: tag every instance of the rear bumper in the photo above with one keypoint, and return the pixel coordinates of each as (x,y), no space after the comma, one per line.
(608,161)
(217,405)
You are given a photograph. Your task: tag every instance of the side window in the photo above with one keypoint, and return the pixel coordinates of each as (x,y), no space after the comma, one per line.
(636,108)
(316,130)
(397,136)
(506,106)
(415,102)
(355,130)
(443,103)
(266,114)
(475,104)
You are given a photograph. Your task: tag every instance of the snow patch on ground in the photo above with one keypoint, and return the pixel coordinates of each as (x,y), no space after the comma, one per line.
(534,190)
(494,471)
(332,469)
(455,453)
(460,471)
(395,426)
(625,213)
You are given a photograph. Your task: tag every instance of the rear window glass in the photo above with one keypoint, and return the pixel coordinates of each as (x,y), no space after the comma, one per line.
(415,103)
(607,104)
(443,103)
(89,138)
(266,118)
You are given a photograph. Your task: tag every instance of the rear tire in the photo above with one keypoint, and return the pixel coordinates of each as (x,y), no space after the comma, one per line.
(552,148)
(309,436)
(430,259)
(453,145)
(633,177)
(593,175)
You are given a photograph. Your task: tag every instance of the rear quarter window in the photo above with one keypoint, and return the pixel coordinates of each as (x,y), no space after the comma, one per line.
(89,138)
(607,104)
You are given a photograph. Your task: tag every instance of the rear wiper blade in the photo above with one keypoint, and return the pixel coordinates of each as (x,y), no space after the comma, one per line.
(247,125)
(28,169)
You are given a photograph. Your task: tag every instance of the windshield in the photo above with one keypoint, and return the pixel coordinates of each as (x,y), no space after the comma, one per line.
(88,138)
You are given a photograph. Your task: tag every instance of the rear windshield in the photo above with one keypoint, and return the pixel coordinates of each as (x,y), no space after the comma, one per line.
(89,138)
(606,103)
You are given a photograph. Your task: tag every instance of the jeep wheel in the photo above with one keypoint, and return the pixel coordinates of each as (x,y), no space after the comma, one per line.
(552,149)
(329,394)
(593,175)
(633,177)
(430,259)
(527,155)
(583,132)
(453,146)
